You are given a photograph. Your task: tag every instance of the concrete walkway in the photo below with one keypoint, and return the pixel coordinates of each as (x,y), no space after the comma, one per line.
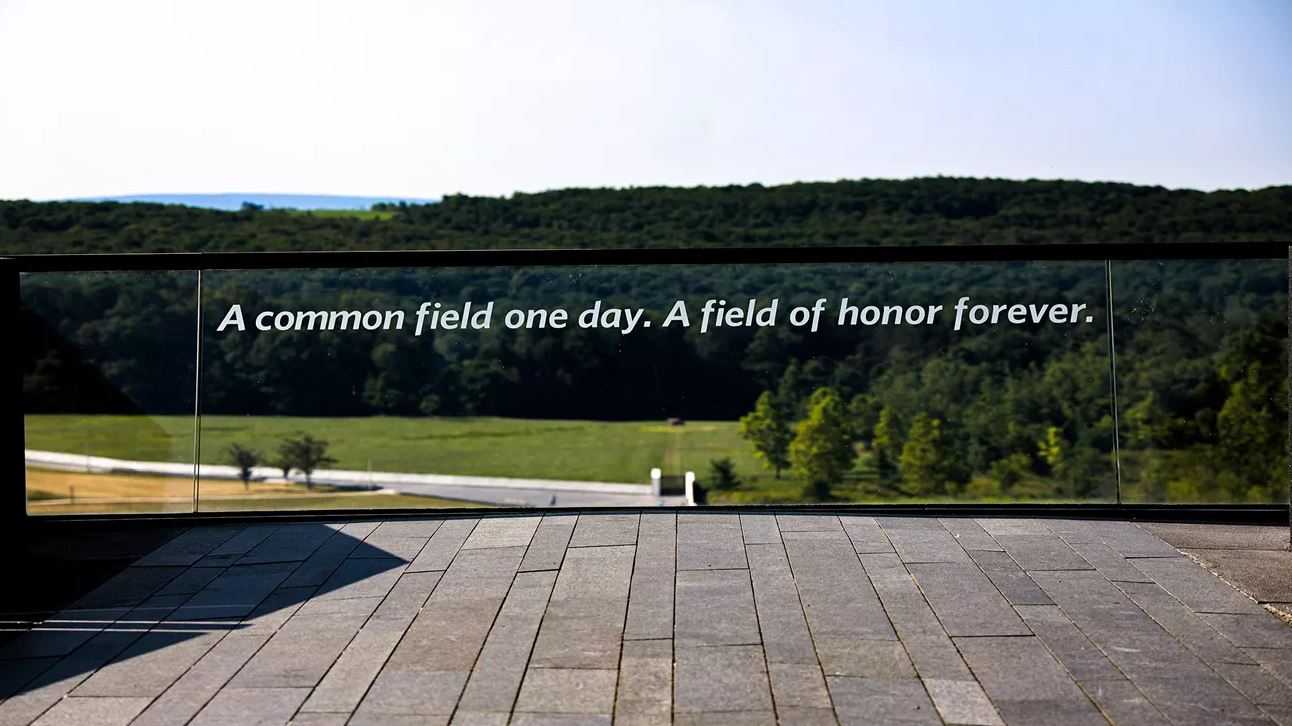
(656,618)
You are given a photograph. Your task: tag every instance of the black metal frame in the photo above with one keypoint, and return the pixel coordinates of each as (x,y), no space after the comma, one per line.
(13,502)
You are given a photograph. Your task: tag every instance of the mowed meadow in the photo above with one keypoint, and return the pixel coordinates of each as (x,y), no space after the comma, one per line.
(615,451)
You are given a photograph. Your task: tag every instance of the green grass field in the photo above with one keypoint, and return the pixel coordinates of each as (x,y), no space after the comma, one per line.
(542,449)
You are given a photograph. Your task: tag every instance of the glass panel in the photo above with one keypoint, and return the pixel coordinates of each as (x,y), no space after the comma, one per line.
(108,370)
(533,415)
(1201,380)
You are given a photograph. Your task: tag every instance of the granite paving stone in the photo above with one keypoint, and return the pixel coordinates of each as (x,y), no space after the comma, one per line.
(498,672)
(705,542)
(307,645)
(60,634)
(347,680)
(1187,626)
(362,578)
(651,601)
(791,617)
(561,719)
(150,664)
(191,580)
(379,547)
(1024,681)
(759,529)
(443,545)
(866,534)
(568,690)
(289,543)
(1009,578)
(76,711)
(723,678)
(1070,646)
(807,523)
(838,599)
(962,702)
(407,528)
(1276,660)
(1109,562)
(926,545)
(971,536)
(236,592)
(547,546)
(1175,680)
(1123,703)
(715,607)
(51,686)
(1257,684)
(129,587)
(1195,587)
(927,644)
(1258,630)
(645,692)
(1126,538)
(996,526)
(1035,552)
(965,601)
(188,547)
(408,595)
(502,532)
(277,608)
(412,690)
(450,629)
(323,561)
(241,706)
(605,530)
(800,686)
(722,718)
(199,684)
(780,614)
(841,656)
(232,549)
(583,626)
(870,701)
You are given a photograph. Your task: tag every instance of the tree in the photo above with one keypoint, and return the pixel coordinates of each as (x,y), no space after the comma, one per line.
(863,412)
(924,460)
(1053,450)
(722,474)
(285,461)
(246,460)
(822,451)
(886,443)
(1252,423)
(768,428)
(306,454)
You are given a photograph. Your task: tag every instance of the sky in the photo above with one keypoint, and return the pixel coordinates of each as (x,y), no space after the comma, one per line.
(422,99)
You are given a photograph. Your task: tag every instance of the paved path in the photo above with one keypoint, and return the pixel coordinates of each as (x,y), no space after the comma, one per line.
(652,618)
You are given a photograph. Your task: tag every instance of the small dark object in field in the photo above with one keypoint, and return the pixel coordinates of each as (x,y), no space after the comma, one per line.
(676,421)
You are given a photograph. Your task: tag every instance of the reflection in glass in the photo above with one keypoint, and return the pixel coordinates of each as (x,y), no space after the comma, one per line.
(1201,380)
(108,370)
(320,398)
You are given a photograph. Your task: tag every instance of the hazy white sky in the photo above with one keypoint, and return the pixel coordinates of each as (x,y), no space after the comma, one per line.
(427,98)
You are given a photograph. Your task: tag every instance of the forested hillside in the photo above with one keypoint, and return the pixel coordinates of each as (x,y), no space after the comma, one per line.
(866,212)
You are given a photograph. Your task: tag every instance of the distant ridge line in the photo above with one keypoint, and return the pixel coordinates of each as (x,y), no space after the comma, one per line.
(233,201)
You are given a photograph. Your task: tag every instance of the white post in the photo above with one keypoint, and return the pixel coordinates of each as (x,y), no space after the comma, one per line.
(655,475)
(690,489)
